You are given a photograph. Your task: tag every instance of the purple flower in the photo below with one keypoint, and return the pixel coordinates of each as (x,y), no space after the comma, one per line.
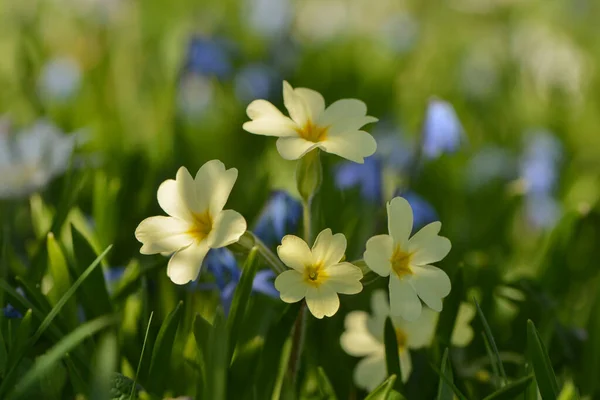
(539,163)
(279,217)
(366,176)
(542,211)
(254,81)
(442,130)
(10,312)
(209,57)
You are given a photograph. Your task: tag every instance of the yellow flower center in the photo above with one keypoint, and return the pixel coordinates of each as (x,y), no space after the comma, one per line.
(401,262)
(314,275)
(202,226)
(313,133)
(401,339)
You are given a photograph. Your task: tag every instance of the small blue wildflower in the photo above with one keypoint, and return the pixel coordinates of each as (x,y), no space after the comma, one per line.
(279,217)
(423,212)
(112,276)
(269,18)
(542,210)
(540,160)
(209,57)
(60,79)
(254,81)
(10,312)
(367,176)
(223,266)
(442,130)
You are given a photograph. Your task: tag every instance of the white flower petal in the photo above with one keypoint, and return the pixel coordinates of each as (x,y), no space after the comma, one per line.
(171,202)
(351,145)
(370,372)
(380,306)
(291,286)
(344,278)
(345,115)
(328,249)
(293,148)
(378,254)
(462,334)
(405,364)
(322,301)
(314,103)
(296,105)
(213,185)
(184,265)
(357,340)
(227,228)
(403,299)
(419,333)
(294,252)
(424,234)
(432,285)
(187,191)
(400,221)
(268,120)
(162,234)
(431,250)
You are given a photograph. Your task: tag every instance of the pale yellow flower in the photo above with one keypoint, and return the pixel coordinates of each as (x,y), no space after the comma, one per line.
(317,274)
(335,129)
(196,221)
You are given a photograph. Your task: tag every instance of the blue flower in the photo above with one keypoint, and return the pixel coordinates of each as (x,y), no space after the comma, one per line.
(254,81)
(10,312)
(442,130)
(60,79)
(112,276)
(367,176)
(209,57)
(279,217)
(542,211)
(223,266)
(423,212)
(539,163)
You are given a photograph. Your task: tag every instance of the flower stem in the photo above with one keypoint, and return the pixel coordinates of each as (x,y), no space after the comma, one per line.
(297,342)
(306,221)
(250,240)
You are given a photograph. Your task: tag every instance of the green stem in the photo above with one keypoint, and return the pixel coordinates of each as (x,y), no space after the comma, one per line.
(306,221)
(248,241)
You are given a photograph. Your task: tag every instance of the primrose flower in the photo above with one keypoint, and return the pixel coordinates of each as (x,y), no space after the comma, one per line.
(32,158)
(318,274)
(364,337)
(406,261)
(196,221)
(335,129)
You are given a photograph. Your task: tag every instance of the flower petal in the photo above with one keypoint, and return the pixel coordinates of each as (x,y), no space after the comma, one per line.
(171,201)
(432,285)
(403,299)
(322,301)
(213,185)
(228,227)
(419,333)
(400,221)
(293,148)
(345,115)
(378,254)
(405,364)
(429,249)
(328,249)
(370,372)
(162,234)
(296,105)
(313,102)
(291,286)
(357,340)
(294,252)
(268,120)
(380,307)
(351,145)
(344,278)
(184,265)
(463,333)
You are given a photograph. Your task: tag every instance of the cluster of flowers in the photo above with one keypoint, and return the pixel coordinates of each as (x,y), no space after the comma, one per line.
(197,223)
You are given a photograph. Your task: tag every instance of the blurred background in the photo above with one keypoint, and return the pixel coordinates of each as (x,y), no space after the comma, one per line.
(489,122)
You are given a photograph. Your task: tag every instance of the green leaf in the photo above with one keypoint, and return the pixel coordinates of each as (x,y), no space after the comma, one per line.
(447,319)
(392,356)
(20,344)
(216,383)
(569,392)
(94,295)
(382,391)
(512,390)
(3,354)
(202,329)
(161,354)
(79,384)
(61,281)
(48,361)
(121,387)
(309,175)
(327,391)
(104,367)
(542,367)
(240,299)
(445,392)
(590,360)
(448,381)
(137,372)
(490,338)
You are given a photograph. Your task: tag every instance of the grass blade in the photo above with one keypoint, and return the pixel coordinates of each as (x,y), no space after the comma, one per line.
(444,390)
(202,329)
(46,362)
(161,354)
(490,338)
(392,357)
(104,367)
(240,299)
(19,345)
(137,372)
(217,380)
(542,367)
(327,391)
(61,281)
(449,382)
(512,390)
(382,391)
